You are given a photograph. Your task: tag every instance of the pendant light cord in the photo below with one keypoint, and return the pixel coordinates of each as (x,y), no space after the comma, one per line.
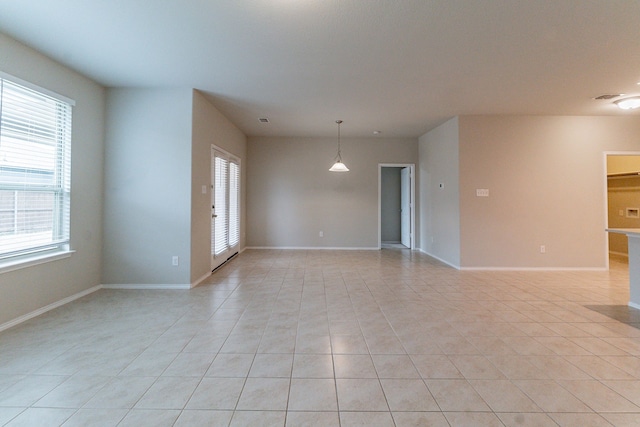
(339,150)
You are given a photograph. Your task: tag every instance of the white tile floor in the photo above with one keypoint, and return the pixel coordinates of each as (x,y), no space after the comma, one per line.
(328,338)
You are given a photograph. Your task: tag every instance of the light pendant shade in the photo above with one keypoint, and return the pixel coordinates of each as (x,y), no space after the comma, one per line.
(628,103)
(338,166)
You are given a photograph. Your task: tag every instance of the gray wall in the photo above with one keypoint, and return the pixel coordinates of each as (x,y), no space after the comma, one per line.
(147,198)
(292,196)
(390,204)
(440,205)
(26,290)
(211,127)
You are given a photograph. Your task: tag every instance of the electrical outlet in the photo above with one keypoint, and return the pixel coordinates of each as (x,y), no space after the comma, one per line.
(321,234)
(482,192)
(543,249)
(175,261)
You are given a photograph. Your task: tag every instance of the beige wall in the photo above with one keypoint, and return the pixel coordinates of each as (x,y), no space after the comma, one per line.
(210,127)
(26,290)
(546,176)
(292,196)
(439,193)
(623,163)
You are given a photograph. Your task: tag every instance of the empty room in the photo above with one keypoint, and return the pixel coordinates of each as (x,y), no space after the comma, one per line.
(319,213)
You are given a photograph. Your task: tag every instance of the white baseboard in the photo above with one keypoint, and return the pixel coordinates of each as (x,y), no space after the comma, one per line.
(149,286)
(312,248)
(49,307)
(634,305)
(200,280)
(541,269)
(514,268)
(457,267)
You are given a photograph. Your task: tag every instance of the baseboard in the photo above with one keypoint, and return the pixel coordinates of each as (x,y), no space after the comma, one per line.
(541,269)
(457,267)
(634,305)
(311,248)
(49,307)
(200,280)
(149,286)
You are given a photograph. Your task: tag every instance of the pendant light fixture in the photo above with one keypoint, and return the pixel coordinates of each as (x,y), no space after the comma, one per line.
(628,103)
(338,166)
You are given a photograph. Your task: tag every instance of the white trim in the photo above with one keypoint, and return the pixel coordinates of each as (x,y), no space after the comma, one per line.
(631,304)
(200,280)
(13,264)
(149,286)
(312,248)
(534,268)
(457,267)
(605,190)
(46,308)
(37,88)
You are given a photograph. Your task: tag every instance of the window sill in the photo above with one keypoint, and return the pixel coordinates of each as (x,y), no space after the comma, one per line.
(31,260)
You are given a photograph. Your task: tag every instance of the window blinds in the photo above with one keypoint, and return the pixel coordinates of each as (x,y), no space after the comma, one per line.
(35,166)
(225,224)
(221,229)
(234,204)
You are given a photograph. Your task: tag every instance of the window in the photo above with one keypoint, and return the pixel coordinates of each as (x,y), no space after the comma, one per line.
(35,163)
(226,203)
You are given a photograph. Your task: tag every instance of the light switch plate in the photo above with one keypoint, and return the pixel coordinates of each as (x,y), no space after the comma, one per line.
(482,192)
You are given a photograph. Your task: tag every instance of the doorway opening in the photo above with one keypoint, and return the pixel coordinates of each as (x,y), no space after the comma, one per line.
(623,201)
(396,196)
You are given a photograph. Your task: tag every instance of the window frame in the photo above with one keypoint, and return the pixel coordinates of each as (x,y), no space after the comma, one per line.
(60,188)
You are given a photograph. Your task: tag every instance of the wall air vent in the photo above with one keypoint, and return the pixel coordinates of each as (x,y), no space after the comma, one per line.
(263,120)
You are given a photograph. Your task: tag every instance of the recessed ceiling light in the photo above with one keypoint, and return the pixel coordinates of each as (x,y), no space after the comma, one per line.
(263,120)
(628,103)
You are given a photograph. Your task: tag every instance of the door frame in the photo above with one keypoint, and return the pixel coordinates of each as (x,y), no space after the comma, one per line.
(412,205)
(217,261)
(606,194)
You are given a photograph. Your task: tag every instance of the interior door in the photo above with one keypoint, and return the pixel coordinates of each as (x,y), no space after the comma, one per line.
(405,206)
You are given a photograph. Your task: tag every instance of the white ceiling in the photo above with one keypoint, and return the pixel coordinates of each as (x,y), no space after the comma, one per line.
(397,66)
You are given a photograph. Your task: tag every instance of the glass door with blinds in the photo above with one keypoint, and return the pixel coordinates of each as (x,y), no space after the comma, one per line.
(225,206)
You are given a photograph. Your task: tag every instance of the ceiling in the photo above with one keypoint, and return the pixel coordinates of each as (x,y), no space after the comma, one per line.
(396,66)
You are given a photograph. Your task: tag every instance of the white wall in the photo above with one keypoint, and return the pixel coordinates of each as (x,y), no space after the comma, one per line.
(439,206)
(24,291)
(546,176)
(292,196)
(211,127)
(147,197)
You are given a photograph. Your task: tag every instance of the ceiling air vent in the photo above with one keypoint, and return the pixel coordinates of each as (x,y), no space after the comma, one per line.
(263,120)
(608,96)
